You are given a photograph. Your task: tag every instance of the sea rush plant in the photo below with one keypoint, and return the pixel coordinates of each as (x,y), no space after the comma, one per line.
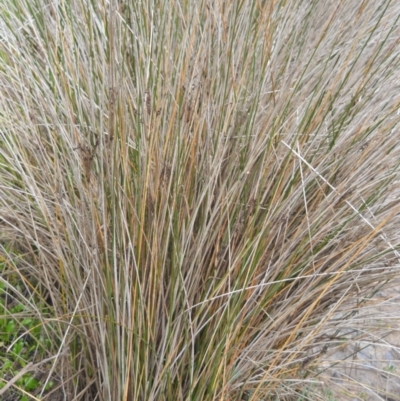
(196,196)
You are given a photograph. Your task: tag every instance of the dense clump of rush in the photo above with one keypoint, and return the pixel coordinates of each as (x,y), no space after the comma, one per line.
(196,197)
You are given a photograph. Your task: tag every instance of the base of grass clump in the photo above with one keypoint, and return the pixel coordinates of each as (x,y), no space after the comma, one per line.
(201,192)
(25,340)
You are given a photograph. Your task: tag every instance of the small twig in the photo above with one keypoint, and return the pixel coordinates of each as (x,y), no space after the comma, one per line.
(29,367)
(24,370)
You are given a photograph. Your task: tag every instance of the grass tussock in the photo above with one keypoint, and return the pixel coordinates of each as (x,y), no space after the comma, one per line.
(195,196)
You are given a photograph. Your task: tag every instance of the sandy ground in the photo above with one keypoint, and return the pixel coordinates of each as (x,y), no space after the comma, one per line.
(370,368)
